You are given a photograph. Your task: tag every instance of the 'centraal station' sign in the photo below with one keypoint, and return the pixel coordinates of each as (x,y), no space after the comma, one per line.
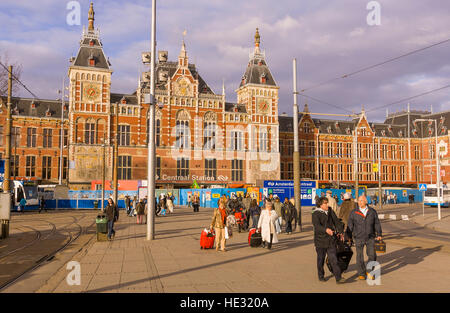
(193,177)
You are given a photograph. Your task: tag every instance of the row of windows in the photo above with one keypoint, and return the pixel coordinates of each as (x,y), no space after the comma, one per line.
(345,171)
(48,164)
(183,168)
(47,137)
(345,150)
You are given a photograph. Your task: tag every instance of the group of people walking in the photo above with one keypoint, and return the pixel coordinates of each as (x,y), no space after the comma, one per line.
(268,219)
(353,221)
(138,208)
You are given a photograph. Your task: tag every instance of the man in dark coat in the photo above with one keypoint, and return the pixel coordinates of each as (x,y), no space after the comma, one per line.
(326,226)
(128,203)
(289,214)
(112,214)
(42,205)
(364,226)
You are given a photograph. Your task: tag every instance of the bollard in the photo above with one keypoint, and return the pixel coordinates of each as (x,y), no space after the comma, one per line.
(5,214)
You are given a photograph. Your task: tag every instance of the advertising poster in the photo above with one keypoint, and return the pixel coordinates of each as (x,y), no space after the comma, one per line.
(254,192)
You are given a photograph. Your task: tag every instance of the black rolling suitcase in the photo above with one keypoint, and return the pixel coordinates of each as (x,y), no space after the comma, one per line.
(344,255)
(255,240)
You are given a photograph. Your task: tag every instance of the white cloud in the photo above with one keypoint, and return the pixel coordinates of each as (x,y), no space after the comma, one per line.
(328,38)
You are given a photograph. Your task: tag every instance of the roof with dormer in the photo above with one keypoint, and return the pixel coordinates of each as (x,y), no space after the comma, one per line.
(40,108)
(257,68)
(91,48)
(395,126)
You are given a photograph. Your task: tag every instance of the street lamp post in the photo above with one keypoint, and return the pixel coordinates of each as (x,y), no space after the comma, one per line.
(438,170)
(151,134)
(61,134)
(297,186)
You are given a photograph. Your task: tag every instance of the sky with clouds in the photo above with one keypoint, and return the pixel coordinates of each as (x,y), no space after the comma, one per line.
(329,38)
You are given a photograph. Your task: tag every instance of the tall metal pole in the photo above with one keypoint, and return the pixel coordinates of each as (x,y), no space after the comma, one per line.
(409,143)
(103,171)
(438,172)
(116,153)
(151,134)
(7,179)
(380,202)
(4,223)
(355,140)
(62,135)
(297,190)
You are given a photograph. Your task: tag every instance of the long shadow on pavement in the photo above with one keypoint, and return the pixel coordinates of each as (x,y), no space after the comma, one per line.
(396,260)
(281,246)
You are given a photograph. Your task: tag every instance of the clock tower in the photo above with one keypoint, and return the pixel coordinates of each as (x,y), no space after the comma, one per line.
(89,107)
(258,91)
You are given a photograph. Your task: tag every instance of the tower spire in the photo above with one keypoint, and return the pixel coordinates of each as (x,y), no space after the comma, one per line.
(257,41)
(91,17)
(183,57)
(257,38)
(306,109)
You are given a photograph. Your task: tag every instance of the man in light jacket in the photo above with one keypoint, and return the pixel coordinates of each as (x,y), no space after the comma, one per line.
(365,227)
(277,205)
(332,202)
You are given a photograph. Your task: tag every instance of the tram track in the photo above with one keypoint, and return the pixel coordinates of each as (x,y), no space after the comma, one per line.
(70,230)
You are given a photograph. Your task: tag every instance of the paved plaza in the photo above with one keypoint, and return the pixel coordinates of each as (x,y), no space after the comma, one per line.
(174,263)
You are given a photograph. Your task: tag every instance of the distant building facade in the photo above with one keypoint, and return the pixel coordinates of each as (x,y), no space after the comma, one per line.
(202,137)
(334,151)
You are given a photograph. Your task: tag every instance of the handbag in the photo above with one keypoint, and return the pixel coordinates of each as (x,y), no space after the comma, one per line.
(380,246)
(226,233)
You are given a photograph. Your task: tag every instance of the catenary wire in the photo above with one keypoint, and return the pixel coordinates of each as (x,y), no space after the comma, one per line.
(410,98)
(374,65)
(18,80)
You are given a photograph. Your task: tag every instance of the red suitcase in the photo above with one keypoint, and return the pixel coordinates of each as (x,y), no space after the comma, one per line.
(207,239)
(250,233)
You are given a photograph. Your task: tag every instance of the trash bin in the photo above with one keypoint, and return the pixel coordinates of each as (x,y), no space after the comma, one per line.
(96,204)
(102,227)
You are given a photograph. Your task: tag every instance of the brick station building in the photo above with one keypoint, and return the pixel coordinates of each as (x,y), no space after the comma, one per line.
(328,154)
(202,136)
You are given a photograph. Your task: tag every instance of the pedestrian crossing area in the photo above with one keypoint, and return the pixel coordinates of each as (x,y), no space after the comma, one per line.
(393,217)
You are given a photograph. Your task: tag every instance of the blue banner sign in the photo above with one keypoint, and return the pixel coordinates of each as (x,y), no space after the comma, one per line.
(2,170)
(285,189)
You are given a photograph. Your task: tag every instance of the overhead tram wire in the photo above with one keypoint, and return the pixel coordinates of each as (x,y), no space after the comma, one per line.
(18,80)
(323,102)
(373,66)
(410,98)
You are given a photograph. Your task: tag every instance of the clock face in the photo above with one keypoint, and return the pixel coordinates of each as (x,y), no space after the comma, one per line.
(91,92)
(263,106)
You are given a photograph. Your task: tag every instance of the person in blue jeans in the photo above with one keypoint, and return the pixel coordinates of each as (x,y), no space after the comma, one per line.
(255,212)
(112,213)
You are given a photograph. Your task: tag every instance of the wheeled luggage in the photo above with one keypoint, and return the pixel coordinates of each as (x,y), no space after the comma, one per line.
(207,239)
(255,239)
(250,233)
(344,255)
(380,246)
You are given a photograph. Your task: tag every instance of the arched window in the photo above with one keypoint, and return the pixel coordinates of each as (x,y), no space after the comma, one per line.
(209,131)
(89,132)
(158,117)
(263,140)
(182,130)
